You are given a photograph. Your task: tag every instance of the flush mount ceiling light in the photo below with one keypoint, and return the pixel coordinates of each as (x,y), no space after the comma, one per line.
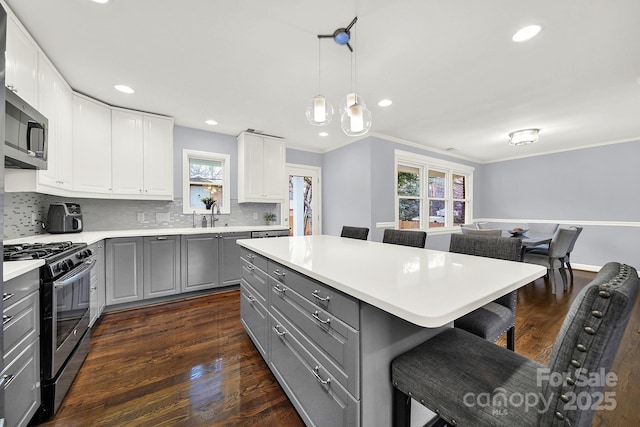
(211,122)
(526,33)
(385,102)
(100,1)
(323,133)
(124,89)
(523,137)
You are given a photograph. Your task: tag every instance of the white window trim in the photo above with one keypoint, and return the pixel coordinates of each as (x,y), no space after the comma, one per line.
(425,163)
(226,194)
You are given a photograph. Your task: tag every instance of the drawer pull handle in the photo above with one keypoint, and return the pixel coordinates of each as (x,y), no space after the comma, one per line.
(279,273)
(249,256)
(278,289)
(250,267)
(320,380)
(319,298)
(276,329)
(315,316)
(6,319)
(161,237)
(251,298)
(8,379)
(6,296)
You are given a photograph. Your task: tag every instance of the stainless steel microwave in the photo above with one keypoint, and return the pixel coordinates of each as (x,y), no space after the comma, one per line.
(25,134)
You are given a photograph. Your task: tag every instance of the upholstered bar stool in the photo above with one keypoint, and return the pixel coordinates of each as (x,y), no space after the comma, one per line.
(469,381)
(492,320)
(360,233)
(417,239)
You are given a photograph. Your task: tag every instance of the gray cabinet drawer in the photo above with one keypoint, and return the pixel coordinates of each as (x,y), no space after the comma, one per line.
(254,318)
(256,277)
(22,386)
(254,258)
(336,339)
(318,404)
(323,297)
(22,325)
(19,287)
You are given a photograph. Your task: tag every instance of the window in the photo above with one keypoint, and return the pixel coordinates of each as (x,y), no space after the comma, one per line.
(431,193)
(205,175)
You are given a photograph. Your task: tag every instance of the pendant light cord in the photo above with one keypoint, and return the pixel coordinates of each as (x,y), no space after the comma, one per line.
(319,65)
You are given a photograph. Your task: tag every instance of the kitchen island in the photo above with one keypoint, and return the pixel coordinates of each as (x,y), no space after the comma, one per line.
(329,314)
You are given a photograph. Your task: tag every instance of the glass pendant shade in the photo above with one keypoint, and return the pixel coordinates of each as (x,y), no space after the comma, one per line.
(356,120)
(350,99)
(319,111)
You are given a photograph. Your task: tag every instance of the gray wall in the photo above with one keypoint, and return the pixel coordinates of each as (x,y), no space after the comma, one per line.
(307,158)
(596,187)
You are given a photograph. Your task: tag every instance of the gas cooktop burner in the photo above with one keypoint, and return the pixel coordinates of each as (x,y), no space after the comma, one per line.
(46,251)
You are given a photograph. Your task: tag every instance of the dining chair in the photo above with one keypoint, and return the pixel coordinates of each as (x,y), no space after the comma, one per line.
(416,239)
(541,228)
(567,258)
(492,320)
(483,225)
(466,380)
(481,232)
(360,233)
(554,259)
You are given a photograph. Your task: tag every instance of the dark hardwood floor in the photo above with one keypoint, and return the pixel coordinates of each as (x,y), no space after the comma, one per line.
(190,363)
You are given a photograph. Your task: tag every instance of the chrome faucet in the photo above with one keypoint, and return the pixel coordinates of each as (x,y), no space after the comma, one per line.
(213,216)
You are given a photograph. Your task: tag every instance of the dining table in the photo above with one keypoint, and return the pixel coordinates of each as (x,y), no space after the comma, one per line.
(529,239)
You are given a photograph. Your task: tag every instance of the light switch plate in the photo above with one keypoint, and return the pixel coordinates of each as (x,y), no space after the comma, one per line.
(140,216)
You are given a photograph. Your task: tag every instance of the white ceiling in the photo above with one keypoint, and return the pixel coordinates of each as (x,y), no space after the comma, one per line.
(455,77)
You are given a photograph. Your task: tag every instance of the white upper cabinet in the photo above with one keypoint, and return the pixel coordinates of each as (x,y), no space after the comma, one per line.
(55,103)
(261,169)
(91,146)
(158,157)
(127,149)
(142,155)
(21,63)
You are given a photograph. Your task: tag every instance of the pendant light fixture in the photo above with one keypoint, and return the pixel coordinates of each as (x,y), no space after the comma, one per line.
(319,110)
(355,118)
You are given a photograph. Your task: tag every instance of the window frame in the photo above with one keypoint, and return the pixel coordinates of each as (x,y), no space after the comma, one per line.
(426,164)
(226,180)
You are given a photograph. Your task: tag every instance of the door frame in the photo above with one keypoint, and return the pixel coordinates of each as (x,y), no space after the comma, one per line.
(315,172)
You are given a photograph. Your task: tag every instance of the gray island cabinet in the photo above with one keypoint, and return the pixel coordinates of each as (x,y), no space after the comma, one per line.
(329,351)
(329,314)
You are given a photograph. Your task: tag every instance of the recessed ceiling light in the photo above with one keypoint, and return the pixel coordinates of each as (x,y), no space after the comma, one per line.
(324,134)
(211,122)
(100,1)
(526,33)
(385,102)
(124,89)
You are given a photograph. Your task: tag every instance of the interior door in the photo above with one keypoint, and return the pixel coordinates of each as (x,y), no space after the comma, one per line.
(301,211)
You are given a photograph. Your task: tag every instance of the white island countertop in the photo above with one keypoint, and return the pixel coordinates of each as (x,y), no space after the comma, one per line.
(425,287)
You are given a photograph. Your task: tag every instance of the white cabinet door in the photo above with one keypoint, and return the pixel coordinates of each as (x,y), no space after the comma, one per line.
(127,150)
(261,169)
(21,63)
(274,169)
(158,157)
(91,146)
(55,102)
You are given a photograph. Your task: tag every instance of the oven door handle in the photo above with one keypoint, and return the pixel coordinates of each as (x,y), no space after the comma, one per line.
(74,275)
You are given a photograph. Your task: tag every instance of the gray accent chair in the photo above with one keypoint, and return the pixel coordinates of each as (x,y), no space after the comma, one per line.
(554,259)
(360,233)
(541,228)
(416,239)
(492,320)
(481,232)
(567,258)
(451,372)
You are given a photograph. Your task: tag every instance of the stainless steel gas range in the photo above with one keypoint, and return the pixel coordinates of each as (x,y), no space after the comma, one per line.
(64,314)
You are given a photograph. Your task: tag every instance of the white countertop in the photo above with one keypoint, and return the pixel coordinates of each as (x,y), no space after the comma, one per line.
(15,268)
(425,287)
